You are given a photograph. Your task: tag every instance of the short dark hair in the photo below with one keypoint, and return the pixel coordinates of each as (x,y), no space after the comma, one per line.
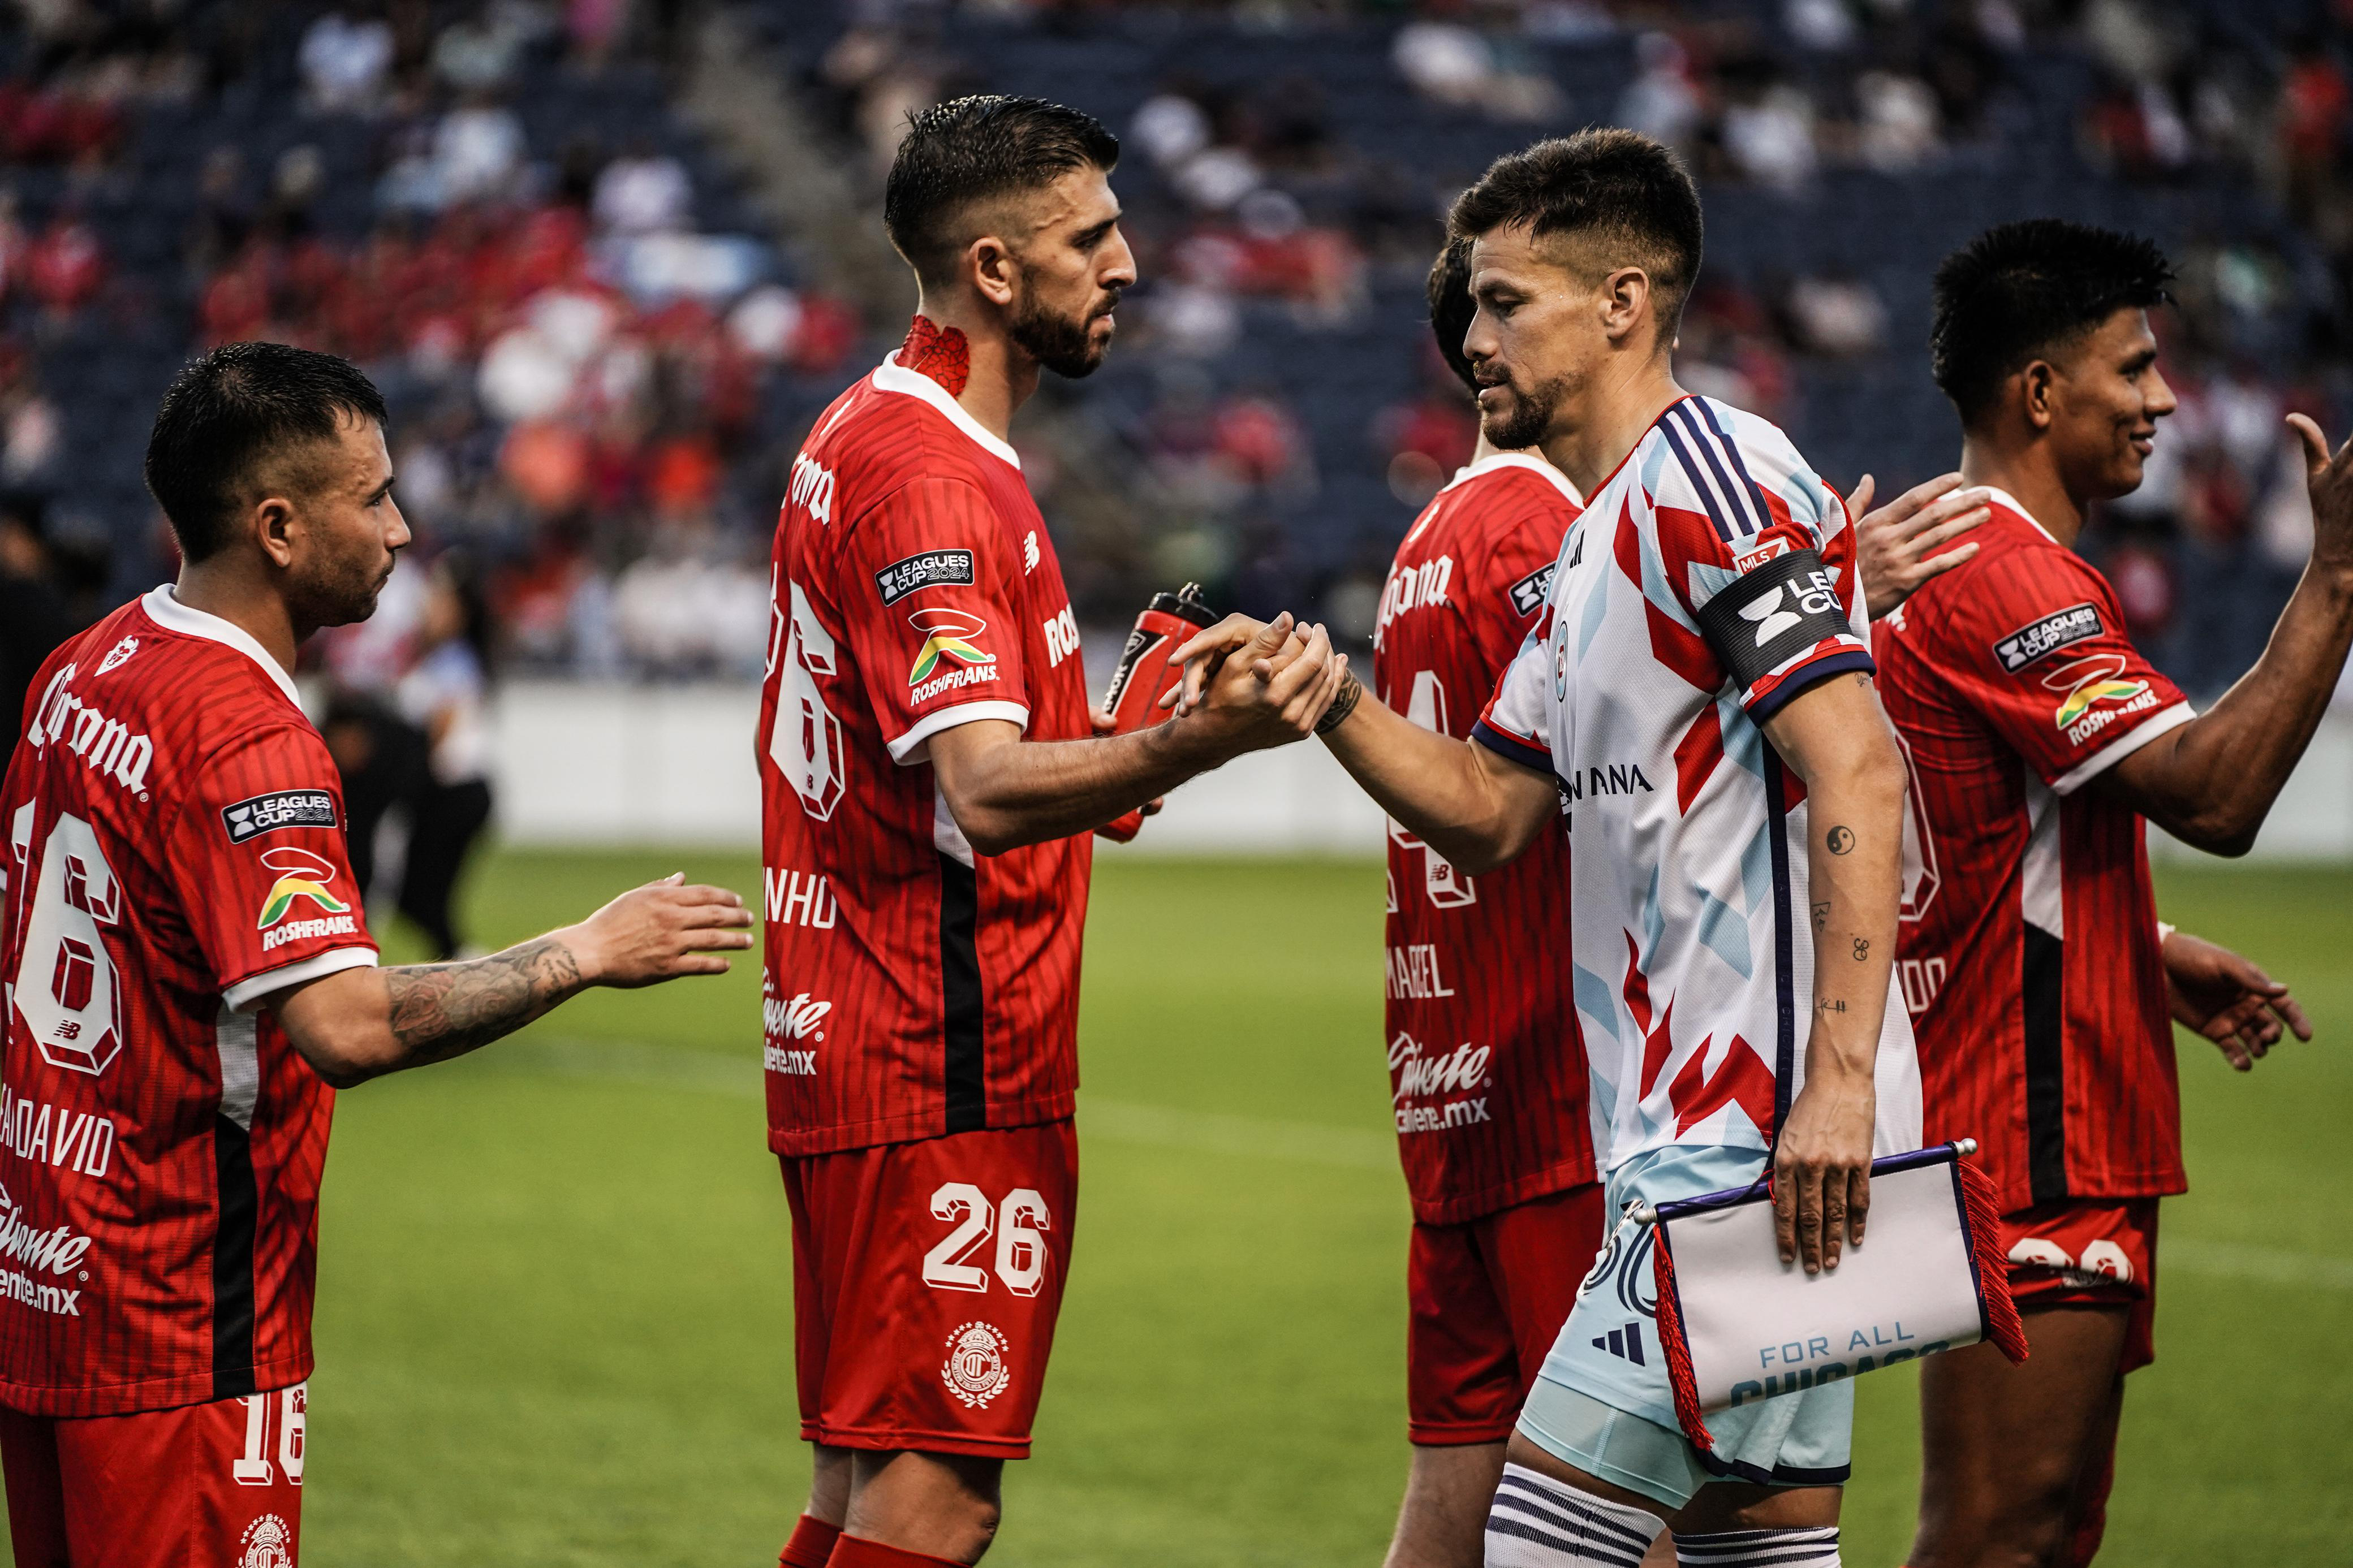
(981,149)
(2020,290)
(232,410)
(1625,191)
(1451,307)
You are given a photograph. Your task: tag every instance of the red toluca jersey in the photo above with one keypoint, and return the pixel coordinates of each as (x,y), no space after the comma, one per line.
(175,853)
(1487,1070)
(911,988)
(2028,954)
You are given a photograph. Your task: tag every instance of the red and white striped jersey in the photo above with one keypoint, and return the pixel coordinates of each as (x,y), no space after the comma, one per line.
(912,988)
(2029,949)
(175,853)
(1487,1075)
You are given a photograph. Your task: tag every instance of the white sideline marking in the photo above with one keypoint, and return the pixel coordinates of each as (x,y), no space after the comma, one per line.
(1215,1133)
(1122,1121)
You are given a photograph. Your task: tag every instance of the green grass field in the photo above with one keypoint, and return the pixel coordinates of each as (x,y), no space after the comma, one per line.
(555,1321)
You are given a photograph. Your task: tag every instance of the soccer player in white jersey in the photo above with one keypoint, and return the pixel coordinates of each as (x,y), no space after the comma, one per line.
(1698,695)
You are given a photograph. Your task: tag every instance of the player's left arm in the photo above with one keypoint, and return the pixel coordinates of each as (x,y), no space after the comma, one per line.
(1835,737)
(2228,998)
(362,1023)
(2212,781)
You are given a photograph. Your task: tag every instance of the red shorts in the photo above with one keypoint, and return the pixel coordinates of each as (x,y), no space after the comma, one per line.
(926,1278)
(203,1485)
(2089,1254)
(1487,1298)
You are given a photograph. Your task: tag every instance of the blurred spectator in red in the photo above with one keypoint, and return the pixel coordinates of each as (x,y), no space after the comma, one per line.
(66,265)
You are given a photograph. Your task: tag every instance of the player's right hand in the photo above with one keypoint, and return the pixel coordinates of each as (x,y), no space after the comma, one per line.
(1821,1170)
(1250,685)
(2330,480)
(660,931)
(1892,545)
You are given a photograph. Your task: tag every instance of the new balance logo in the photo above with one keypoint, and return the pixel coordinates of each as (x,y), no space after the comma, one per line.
(1625,1343)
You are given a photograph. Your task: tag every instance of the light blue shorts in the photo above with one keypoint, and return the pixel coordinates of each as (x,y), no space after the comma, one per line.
(1602,1401)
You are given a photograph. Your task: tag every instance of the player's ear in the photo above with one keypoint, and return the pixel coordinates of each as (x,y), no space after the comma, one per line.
(2035,385)
(989,262)
(1625,302)
(272,521)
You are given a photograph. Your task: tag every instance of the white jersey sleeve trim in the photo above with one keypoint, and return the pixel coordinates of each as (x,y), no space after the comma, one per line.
(907,749)
(2123,746)
(253,988)
(892,376)
(167,611)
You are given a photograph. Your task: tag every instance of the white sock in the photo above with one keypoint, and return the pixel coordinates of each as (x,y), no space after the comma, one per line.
(1761,1548)
(1539,1522)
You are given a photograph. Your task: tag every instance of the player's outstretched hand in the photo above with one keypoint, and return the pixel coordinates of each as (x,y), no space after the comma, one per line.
(660,931)
(1892,545)
(1822,1170)
(1252,686)
(2228,999)
(2329,479)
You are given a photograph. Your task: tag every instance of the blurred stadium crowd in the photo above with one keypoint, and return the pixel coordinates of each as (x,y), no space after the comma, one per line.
(602,343)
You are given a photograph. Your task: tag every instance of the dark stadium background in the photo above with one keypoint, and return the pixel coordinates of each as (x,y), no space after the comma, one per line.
(608,259)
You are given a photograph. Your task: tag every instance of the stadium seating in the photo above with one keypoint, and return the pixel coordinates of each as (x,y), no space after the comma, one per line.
(1380,158)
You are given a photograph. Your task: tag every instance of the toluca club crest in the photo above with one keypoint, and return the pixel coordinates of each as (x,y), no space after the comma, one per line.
(975,1371)
(269,1542)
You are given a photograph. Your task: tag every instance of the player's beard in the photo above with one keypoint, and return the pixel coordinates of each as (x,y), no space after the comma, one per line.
(1530,419)
(342,590)
(1064,346)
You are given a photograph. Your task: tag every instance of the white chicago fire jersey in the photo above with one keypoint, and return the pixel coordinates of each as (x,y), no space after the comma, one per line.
(1708,582)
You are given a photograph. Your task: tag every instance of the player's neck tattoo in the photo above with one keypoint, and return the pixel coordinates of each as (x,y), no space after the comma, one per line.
(939,352)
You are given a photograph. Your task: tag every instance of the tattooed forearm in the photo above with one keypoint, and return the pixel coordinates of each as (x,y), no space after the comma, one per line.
(444,1010)
(1344,703)
(1840,840)
(1861,949)
(1821,916)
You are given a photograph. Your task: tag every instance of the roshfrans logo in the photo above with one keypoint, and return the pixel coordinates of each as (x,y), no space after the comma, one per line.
(948,635)
(2085,683)
(301,875)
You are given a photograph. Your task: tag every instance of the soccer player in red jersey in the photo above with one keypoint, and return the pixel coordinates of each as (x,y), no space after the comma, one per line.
(929,778)
(2029,952)
(189,970)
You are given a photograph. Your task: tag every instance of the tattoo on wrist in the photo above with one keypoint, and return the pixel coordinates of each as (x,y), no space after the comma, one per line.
(1831,1005)
(443,1010)
(1838,841)
(1861,947)
(1821,916)
(1352,691)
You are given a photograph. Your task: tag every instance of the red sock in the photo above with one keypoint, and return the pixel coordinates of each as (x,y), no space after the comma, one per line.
(857,1552)
(811,1545)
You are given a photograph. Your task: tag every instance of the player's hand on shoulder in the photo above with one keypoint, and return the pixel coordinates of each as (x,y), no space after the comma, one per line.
(2330,480)
(2228,999)
(1893,545)
(660,931)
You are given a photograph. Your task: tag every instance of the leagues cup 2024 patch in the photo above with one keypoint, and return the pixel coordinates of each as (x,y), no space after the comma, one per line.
(2059,629)
(931,569)
(261,814)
